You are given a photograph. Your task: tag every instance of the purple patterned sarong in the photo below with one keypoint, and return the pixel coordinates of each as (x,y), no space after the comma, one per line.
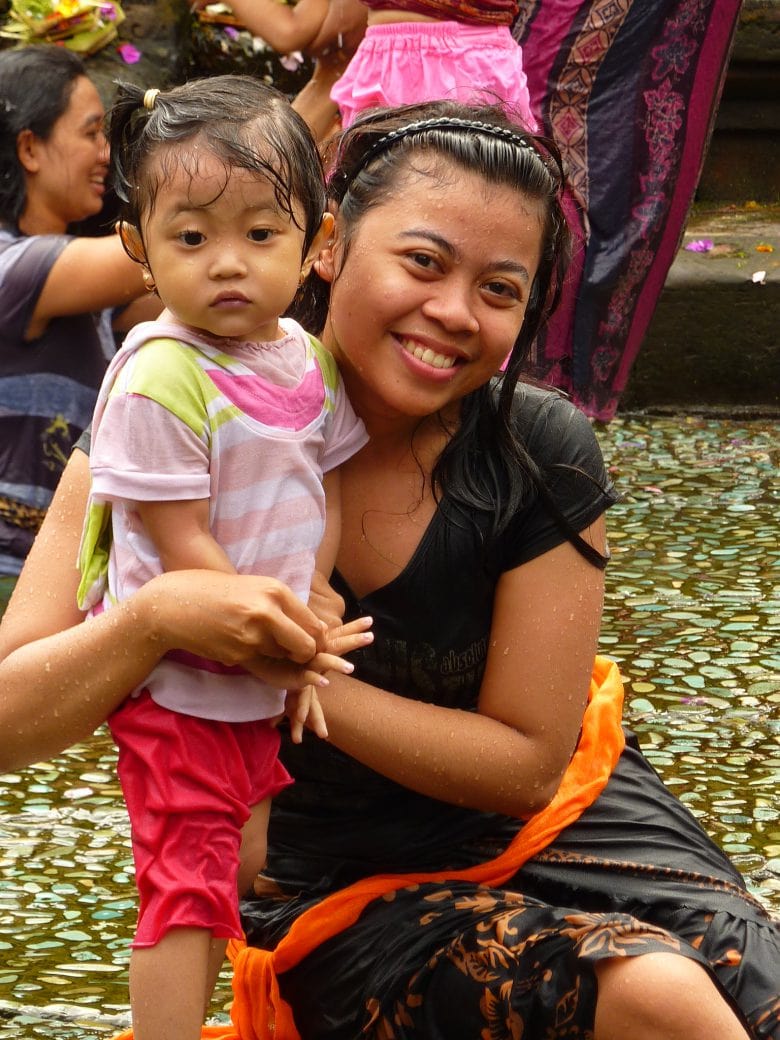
(629,90)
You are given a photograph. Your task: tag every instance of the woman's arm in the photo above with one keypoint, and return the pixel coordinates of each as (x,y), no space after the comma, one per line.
(90,274)
(313,103)
(342,29)
(332,49)
(284,27)
(60,678)
(510,755)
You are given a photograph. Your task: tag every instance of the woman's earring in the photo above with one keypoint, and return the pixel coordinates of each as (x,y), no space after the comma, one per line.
(149,282)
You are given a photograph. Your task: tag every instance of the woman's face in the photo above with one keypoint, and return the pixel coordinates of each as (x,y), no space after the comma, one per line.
(431,294)
(66,173)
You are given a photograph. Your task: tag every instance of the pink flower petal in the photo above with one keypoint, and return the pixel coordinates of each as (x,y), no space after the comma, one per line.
(700,245)
(231,32)
(129,54)
(291,61)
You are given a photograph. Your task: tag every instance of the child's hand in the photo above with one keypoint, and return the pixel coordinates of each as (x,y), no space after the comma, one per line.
(325,602)
(302,707)
(340,640)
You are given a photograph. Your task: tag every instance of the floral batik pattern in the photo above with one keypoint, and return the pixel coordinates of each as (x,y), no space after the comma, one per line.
(629,91)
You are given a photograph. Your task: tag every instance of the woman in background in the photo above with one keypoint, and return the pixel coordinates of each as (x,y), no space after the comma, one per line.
(56,290)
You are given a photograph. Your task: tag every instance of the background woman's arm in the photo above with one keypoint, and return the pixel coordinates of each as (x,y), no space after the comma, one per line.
(284,27)
(510,755)
(90,274)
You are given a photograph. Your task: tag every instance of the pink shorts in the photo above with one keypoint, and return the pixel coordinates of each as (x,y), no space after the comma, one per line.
(407,63)
(189,784)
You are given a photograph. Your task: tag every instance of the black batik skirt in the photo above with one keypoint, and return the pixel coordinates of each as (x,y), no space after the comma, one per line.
(635,874)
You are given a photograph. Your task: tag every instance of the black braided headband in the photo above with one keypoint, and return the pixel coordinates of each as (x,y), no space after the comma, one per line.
(519,140)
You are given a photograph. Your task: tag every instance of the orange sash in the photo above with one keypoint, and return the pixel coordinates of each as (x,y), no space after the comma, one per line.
(260,1013)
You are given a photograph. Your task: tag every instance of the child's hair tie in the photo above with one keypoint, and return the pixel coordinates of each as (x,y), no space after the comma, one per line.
(150,97)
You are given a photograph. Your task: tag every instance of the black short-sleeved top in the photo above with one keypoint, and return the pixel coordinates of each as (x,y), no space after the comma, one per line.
(340,820)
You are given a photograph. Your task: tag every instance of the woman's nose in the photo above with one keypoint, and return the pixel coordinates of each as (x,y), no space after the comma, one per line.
(451,304)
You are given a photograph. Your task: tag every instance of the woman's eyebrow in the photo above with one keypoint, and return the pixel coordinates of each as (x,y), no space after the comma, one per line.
(94,119)
(437,240)
(505,266)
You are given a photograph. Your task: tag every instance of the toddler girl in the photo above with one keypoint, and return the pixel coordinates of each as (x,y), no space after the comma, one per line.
(211,436)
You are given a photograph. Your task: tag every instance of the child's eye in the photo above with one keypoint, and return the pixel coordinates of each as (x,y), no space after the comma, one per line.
(260,234)
(191,238)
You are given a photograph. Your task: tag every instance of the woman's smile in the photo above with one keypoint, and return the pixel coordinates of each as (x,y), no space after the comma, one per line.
(426,354)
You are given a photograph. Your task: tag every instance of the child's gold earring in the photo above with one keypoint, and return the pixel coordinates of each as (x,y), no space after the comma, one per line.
(149,282)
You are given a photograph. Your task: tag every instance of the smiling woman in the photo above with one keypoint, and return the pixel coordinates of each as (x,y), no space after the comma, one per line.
(54,342)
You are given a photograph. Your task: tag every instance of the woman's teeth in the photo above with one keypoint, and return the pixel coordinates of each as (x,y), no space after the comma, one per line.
(430,357)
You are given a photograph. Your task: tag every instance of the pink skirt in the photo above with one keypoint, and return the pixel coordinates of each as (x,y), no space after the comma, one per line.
(408,63)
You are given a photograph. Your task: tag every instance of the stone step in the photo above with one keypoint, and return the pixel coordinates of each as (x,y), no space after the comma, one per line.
(743,161)
(714,341)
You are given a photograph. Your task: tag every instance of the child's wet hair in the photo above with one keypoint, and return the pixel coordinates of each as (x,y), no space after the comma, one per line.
(240,120)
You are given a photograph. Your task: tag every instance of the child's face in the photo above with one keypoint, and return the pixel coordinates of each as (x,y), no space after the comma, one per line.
(224,257)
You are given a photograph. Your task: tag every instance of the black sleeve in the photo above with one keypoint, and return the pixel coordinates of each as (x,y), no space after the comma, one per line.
(561,441)
(84,443)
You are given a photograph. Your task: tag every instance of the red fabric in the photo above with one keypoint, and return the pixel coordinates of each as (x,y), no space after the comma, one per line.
(470,12)
(189,784)
(260,1013)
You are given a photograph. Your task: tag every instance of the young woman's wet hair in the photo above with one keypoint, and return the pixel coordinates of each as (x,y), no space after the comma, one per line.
(36,83)
(240,120)
(485,470)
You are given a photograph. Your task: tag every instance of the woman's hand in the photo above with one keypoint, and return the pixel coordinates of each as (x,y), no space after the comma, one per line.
(61,678)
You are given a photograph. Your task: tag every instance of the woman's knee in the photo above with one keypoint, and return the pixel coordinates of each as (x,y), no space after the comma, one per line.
(661,996)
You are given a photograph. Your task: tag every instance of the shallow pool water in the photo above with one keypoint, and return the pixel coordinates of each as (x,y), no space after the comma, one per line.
(692,616)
